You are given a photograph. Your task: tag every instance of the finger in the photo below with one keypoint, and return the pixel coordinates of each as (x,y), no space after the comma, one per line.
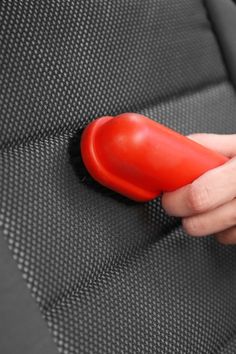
(214,188)
(224,144)
(227,237)
(178,203)
(211,222)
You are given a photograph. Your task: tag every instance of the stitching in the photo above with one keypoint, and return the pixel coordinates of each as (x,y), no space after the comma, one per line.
(141,107)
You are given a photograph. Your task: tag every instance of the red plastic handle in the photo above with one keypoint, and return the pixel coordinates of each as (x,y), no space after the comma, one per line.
(140,158)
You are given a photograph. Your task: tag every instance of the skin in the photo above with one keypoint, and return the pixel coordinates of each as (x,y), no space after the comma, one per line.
(208,205)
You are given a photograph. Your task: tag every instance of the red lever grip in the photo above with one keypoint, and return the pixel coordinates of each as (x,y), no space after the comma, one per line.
(140,158)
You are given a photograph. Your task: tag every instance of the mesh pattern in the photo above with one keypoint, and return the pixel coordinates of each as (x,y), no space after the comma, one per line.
(211,110)
(63,63)
(87,257)
(69,235)
(110,277)
(173,297)
(230,346)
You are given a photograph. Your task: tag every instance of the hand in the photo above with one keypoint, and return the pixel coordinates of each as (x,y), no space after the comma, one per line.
(208,205)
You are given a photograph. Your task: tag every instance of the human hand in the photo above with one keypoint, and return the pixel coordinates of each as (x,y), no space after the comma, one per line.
(208,205)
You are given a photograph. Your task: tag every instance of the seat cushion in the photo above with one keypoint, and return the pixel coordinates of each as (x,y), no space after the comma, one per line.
(111,277)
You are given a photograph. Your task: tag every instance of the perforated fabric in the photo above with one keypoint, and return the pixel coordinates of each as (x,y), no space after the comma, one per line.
(230,347)
(103,271)
(66,62)
(110,277)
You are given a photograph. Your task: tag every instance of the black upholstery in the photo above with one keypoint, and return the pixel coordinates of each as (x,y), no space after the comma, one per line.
(21,326)
(223,14)
(109,277)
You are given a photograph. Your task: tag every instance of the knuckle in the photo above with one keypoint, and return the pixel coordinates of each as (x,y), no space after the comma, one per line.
(198,198)
(229,220)
(193,226)
(227,237)
(165,202)
(221,239)
(233,214)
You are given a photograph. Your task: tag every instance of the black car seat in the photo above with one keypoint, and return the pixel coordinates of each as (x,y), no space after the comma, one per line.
(80,271)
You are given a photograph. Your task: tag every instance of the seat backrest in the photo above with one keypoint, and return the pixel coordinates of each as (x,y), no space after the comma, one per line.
(110,277)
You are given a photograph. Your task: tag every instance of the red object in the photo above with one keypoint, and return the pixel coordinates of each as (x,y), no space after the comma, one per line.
(140,158)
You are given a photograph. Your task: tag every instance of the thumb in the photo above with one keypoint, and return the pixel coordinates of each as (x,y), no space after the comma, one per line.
(224,144)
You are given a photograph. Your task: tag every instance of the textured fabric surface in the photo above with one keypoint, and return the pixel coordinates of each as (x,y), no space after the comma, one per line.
(172,297)
(65,62)
(17,307)
(104,272)
(230,347)
(223,14)
(110,277)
